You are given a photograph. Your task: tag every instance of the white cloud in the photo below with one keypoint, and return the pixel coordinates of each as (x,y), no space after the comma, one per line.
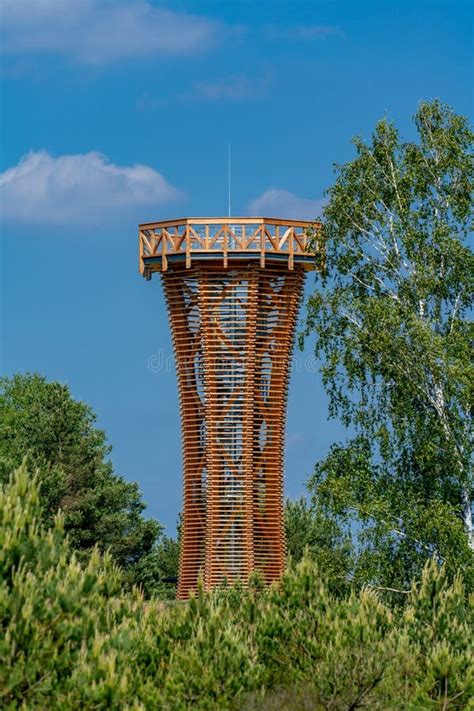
(100,31)
(282,203)
(82,188)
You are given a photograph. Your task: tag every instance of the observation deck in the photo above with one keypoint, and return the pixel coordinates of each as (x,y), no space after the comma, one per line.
(221,239)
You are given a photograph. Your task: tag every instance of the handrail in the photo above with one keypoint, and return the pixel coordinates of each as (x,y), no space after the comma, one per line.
(202,237)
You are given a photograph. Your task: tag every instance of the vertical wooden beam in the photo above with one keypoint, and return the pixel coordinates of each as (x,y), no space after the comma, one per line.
(249,419)
(224,246)
(291,239)
(164,260)
(188,247)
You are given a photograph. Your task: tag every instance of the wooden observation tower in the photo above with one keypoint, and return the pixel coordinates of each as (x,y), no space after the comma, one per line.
(233,287)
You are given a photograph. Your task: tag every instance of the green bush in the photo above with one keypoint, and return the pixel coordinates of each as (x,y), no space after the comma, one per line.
(73,637)
(57,614)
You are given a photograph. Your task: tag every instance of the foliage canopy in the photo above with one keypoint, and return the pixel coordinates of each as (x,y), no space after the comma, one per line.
(58,436)
(392,328)
(71,638)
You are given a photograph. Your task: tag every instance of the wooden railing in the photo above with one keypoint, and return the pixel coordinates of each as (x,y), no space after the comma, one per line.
(225,237)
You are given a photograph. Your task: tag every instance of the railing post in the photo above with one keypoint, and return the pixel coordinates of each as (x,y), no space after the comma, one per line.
(291,237)
(141,263)
(188,247)
(164,260)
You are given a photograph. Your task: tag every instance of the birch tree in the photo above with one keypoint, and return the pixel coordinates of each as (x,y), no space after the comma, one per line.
(392,331)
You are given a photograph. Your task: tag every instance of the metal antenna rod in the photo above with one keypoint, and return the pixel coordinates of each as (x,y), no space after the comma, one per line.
(229,176)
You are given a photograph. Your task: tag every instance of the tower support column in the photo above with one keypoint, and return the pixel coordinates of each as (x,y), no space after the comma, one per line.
(233,333)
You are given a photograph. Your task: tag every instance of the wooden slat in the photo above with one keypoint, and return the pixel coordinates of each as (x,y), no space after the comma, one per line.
(233,361)
(272,240)
(214,239)
(196,236)
(284,239)
(146,241)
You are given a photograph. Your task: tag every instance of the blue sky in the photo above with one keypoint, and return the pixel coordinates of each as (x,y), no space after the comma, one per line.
(115,113)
